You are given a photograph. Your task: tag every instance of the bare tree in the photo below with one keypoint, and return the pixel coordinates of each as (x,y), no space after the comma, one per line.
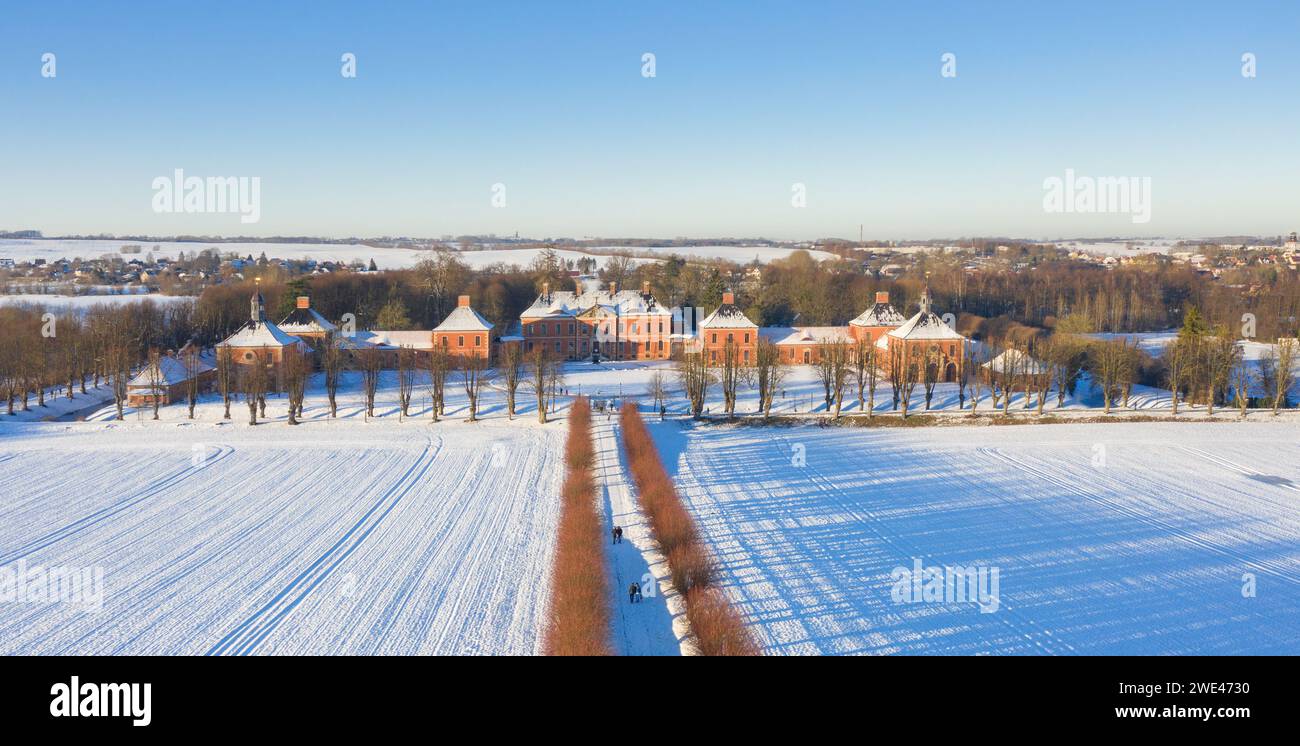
(865,374)
(769,372)
(973,363)
(910,372)
(693,372)
(511,366)
(226,376)
(1178,357)
(931,373)
(1110,367)
(253,379)
(193,366)
(332,364)
(154,374)
(371,361)
(406,363)
(1284,360)
(1242,375)
(841,370)
(473,373)
(824,365)
(439,363)
(119,357)
(731,374)
(539,364)
(1219,356)
(296,364)
(657,389)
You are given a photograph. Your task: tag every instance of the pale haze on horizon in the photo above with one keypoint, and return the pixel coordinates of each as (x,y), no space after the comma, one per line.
(750,106)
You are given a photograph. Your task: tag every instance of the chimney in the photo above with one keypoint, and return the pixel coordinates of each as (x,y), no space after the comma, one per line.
(882,297)
(462,301)
(728,299)
(613,288)
(304,301)
(546,290)
(645,287)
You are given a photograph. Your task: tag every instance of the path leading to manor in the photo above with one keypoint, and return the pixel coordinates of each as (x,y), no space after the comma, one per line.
(645,628)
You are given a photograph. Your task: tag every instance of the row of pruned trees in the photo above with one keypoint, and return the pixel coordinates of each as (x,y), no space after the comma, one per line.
(44,354)
(440,372)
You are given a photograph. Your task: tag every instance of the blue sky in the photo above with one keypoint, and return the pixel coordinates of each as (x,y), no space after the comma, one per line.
(749,98)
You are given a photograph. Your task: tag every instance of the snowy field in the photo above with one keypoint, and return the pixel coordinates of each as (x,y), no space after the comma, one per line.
(82,302)
(334,537)
(21,250)
(1108,539)
(738,254)
(389,536)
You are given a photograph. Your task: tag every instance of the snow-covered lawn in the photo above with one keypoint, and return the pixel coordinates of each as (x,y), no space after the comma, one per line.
(83,302)
(333,537)
(1108,538)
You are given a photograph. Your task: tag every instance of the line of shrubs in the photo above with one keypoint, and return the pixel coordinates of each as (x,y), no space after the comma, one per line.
(719,629)
(579,614)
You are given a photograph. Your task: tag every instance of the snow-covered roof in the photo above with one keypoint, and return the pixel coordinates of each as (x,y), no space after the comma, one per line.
(170,372)
(260,334)
(881,314)
(728,316)
(570,303)
(925,325)
(306,320)
(1019,363)
(785,335)
(416,340)
(464,319)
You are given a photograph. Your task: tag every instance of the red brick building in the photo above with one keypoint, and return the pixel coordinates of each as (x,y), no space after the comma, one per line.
(728,324)
(465,333)
(924,340)
(607,324)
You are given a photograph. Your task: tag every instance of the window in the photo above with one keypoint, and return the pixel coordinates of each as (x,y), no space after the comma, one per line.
(661,345)
(447,340)
(460,341)
(557,348)
(731,338)
(746,338)
(478,340)
(807,357)
(248,356)
(572,328)
(715,338)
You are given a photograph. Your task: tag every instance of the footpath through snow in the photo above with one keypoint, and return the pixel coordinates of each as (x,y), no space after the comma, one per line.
(657,625)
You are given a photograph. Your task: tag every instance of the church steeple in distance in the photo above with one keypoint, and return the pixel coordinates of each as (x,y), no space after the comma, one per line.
(258,304)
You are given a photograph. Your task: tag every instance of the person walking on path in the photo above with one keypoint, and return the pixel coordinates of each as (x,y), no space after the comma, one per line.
(617,535)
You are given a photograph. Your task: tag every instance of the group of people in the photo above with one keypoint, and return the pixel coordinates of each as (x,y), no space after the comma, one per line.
(634,590)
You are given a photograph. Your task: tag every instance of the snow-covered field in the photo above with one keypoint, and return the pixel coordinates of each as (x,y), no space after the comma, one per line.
(738,254)
(81,302)
(21,250)
(333,537)
(1108,538)
(388,536)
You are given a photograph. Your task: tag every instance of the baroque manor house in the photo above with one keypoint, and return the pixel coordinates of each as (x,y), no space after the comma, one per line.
(613,324)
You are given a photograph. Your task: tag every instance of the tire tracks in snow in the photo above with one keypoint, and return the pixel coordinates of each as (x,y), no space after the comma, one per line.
(249,634)
(88,521)
(1239,468)
(1023,627)
(1188,537)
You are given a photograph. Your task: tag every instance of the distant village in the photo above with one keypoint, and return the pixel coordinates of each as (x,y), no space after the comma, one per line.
(137,269)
